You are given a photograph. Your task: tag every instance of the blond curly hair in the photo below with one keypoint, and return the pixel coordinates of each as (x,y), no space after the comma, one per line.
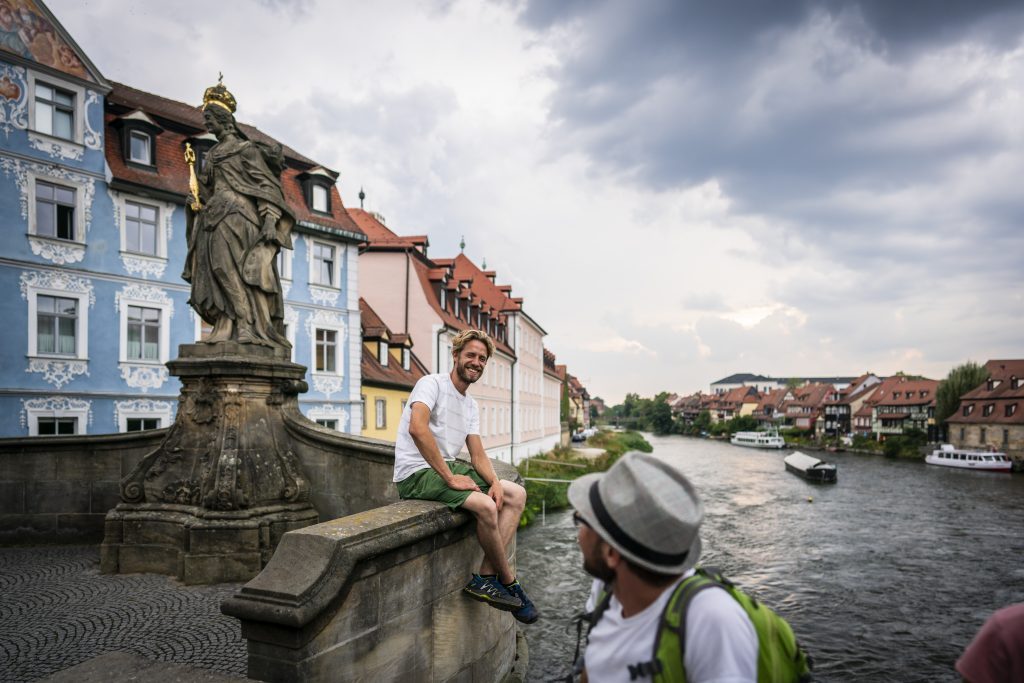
(469,335)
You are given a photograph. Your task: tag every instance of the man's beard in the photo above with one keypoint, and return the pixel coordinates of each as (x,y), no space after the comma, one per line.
(597,568)
(463,373)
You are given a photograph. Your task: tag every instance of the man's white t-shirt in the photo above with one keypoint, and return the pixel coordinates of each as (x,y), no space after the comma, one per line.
(453,416)
(721,643)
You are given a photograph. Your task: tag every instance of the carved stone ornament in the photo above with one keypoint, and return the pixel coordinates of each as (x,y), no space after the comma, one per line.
(54,404)
(55,280)
(59,252)
(143,377)
(13,99)
(55,148)
(58,372)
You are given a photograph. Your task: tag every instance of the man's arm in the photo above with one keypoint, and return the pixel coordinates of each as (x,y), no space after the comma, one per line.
(482,464)
(419,430)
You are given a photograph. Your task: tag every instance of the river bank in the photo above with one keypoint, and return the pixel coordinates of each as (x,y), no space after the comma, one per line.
(546,476)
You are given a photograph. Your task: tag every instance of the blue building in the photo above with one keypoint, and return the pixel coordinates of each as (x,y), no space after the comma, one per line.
(92,188)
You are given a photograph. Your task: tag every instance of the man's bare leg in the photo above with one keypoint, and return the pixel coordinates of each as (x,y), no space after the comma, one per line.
(489,533)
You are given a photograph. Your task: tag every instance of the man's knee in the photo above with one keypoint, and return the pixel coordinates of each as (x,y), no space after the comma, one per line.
(482,507)
(514,493)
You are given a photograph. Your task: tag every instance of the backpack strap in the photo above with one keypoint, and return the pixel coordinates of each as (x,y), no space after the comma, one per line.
(670,643)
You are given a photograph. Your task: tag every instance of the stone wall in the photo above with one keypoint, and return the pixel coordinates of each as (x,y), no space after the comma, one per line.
(59,489)
(1014,445)
(376,596)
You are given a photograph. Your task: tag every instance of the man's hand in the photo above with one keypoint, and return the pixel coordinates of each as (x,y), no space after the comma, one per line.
(461,482)
(497,494)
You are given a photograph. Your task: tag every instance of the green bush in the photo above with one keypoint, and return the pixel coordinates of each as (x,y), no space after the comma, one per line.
(554,495)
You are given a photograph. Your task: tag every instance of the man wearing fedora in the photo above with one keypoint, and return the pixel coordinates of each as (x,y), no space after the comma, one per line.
(639,526)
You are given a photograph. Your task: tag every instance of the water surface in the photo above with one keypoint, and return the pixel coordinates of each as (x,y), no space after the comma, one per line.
(885,576)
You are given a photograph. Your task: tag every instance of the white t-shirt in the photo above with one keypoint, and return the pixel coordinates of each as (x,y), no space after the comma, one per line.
(721,643)
(453,416)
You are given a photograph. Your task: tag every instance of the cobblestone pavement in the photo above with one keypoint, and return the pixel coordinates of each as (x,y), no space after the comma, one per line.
(57,610)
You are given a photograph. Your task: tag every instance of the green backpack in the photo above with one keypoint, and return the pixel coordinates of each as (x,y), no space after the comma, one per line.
(780,659)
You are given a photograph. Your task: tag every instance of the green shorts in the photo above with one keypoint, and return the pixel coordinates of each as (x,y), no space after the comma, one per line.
(426,484)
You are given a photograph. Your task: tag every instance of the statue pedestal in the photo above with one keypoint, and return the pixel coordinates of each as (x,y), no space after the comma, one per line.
(212,501)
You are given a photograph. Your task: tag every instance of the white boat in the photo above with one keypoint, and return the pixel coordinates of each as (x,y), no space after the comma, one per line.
(948,456)
(769,439)
(811,468)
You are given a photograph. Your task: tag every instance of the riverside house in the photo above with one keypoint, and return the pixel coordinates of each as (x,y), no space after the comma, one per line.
(899,405)
(992,415)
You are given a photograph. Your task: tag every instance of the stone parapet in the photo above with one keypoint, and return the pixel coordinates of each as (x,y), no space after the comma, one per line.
(375,596)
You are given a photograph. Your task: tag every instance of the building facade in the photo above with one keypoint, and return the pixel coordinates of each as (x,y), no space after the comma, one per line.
(92,199)
(991,416)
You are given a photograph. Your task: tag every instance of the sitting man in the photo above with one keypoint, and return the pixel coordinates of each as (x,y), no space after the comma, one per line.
(438,420)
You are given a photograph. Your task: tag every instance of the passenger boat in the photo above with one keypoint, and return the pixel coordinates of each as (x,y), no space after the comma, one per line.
(769,439)
(947,456)
(811,468)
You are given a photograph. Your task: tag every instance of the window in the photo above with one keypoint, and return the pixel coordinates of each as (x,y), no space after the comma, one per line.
(444,298)
(284,263)
(362,403)
(57,426)
(406,355)
(55,211)
(380,410)
(1010,409)
(982,439)
(56,325)
(54,111)
(323,264)
(382,353)
(140,227)
(330,424)
(968,409)
(143,334)
(140,424)
(961,435)
(140,147)
(1006,436)
(320,199)
(326,350)
(988,409)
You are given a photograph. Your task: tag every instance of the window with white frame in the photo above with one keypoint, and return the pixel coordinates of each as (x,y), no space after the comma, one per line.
(54,111)
(324,264)
(57,332)
(362,405)
(381,413)
(382,353)
(55,207)
(56,426)
(140,147)
(143,340)
(56,416)
(326,351)
(406,358)
(284,263)
(141,424)
(145,315)
(320,199)
(141,228)
(142,414)
(329,423)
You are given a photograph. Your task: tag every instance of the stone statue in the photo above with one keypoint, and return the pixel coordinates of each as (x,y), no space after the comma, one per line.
(237,220)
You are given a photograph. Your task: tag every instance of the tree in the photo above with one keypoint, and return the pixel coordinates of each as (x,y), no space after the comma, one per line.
(958,382)
(660,418)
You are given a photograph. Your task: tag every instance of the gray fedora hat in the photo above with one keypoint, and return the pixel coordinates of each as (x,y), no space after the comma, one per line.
(644,508)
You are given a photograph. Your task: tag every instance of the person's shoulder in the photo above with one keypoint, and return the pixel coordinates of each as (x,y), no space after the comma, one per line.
(717,606)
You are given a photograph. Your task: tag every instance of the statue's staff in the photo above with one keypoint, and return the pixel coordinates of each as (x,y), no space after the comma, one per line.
(193,182)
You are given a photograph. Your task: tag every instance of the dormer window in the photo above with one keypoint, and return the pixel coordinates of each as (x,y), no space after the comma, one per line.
(320,199)
(1011,408)
(988,409)
(444,298)
(382,353)
(406,358)
(968,409)
(138,138)
(316,188)
(140,147)
(1016,382)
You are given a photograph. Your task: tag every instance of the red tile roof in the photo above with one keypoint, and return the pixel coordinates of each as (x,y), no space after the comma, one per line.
(893,391)
(380,236)
(1002,393)
(181,122)
(392,375)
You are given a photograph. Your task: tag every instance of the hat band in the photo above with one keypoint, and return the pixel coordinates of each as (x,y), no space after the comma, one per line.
(628,542)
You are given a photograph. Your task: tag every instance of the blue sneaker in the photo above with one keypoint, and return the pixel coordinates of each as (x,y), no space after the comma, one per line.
(527,613)
(488,589)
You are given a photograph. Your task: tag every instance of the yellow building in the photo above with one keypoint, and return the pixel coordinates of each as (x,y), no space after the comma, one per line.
(390,370)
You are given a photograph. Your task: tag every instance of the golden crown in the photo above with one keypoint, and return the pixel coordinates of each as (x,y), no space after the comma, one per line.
(219,95)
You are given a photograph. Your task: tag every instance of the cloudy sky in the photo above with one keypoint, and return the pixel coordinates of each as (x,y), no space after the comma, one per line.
(679,190)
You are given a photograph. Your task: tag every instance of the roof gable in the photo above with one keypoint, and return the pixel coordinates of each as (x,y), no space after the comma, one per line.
(35,36)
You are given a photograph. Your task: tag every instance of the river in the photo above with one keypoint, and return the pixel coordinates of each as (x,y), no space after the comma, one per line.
(884,576)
